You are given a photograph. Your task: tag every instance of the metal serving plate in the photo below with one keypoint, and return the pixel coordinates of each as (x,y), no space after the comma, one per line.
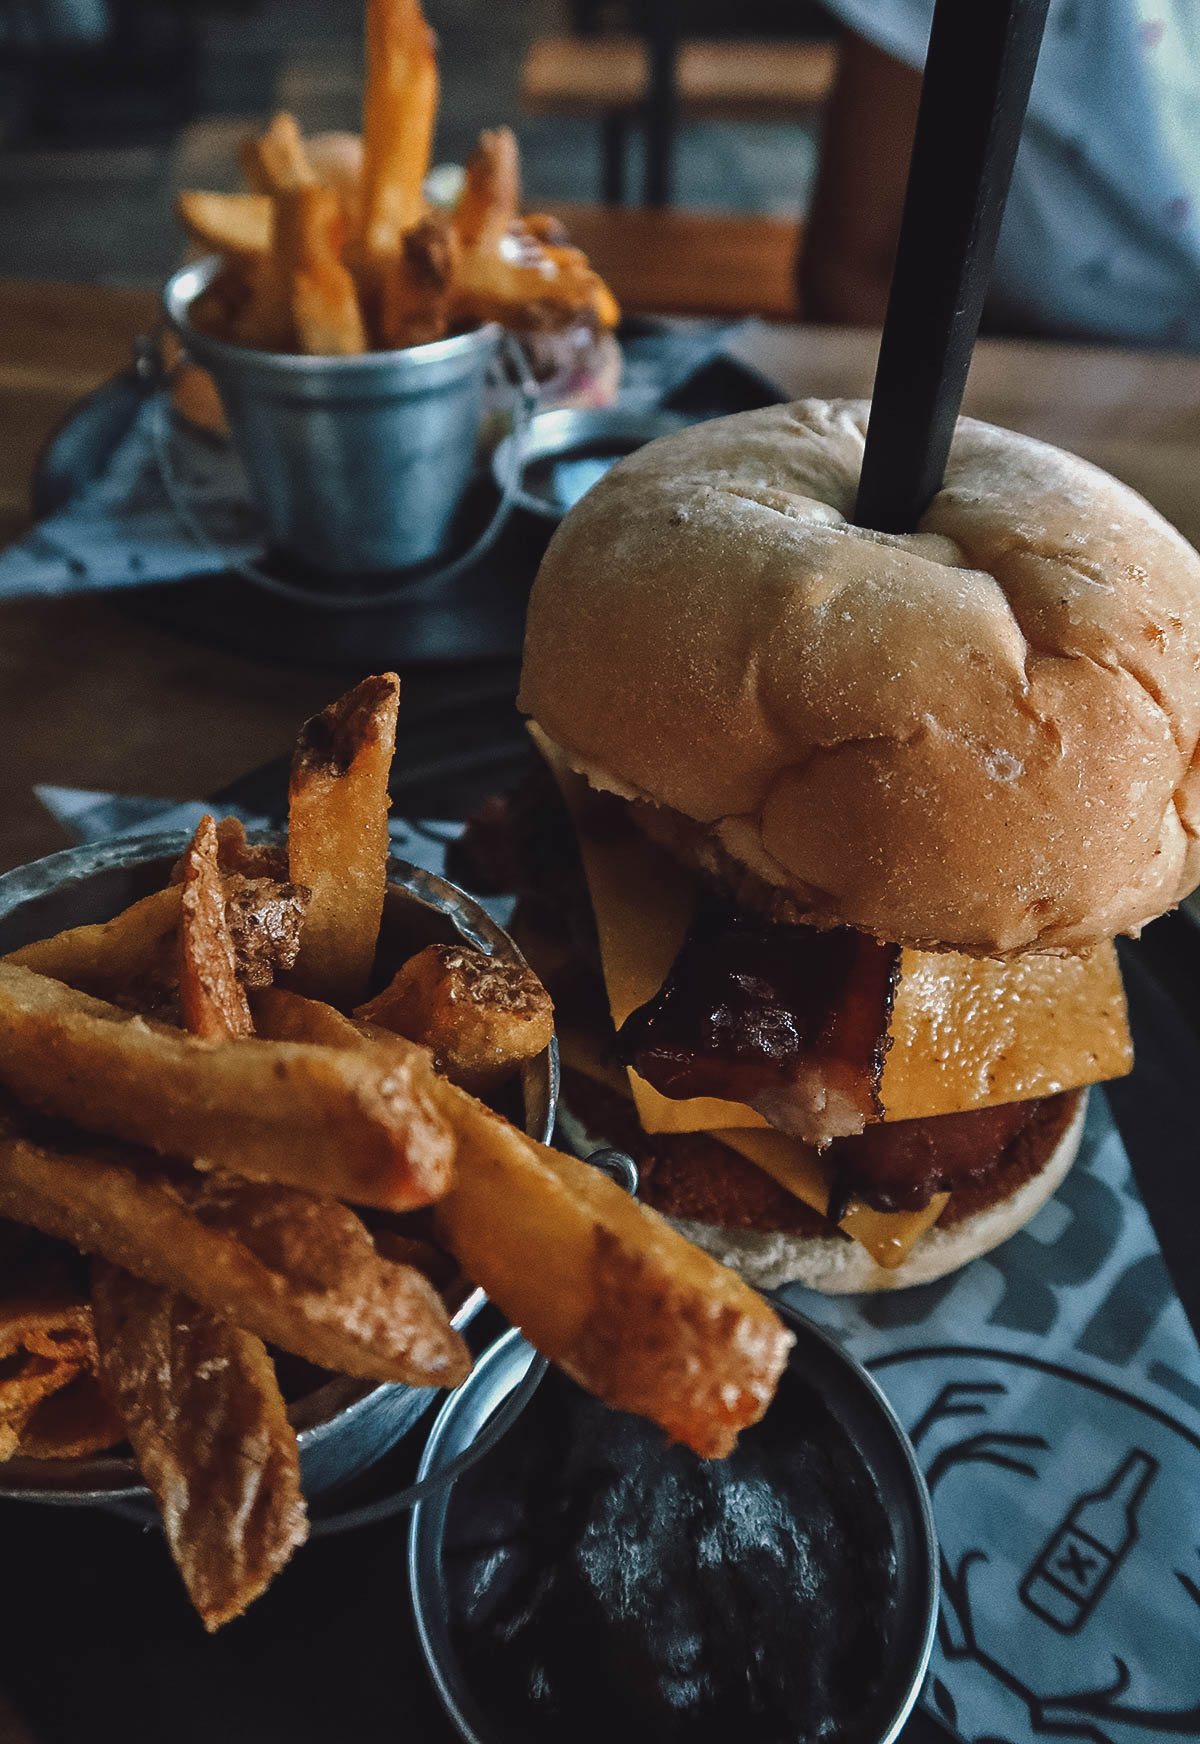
(865,1415)
(347,1425)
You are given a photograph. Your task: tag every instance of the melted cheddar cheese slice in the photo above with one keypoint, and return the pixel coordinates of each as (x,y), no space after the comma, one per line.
(964,1032)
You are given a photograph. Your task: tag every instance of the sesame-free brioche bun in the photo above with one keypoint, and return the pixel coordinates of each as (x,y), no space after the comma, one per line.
(980,736)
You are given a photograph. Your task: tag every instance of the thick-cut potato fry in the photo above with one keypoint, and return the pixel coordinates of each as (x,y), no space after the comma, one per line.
(399,108)
(72,1423)
(284,1016)
(491,196)
(236,225)
(337,836)
(597,1281)
(264,320)
(212,1000)
(481,1016)
(529,287)
(203,1410)
(198,1397)
(44,1345)
(220,306)
(298,1271)
(337,161)
(605,1288)
(323,1119)
(324,302)
(275,165)
(276,161)
(251,859)
(98,958)
(195,397)
(414,289)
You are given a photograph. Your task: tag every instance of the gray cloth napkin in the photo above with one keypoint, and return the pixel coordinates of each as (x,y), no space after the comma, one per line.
(121,531)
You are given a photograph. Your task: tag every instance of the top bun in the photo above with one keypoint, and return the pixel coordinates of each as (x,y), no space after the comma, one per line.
(980,736)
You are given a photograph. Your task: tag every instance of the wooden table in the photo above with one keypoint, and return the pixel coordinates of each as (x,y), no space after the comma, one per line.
(91,698)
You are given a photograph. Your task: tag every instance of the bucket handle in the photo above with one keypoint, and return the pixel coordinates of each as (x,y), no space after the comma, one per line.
(523,390)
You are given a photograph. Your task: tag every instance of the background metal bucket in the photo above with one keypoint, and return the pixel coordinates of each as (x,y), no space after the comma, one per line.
(358,463)
(347,1425)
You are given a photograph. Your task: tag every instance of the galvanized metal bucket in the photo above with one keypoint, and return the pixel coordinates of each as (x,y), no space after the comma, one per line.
(359,464)
(345,1426)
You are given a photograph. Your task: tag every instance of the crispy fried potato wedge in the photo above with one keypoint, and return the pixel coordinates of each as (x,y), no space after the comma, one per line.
(337,837)
(481,1016)
(93,958)
(324,1119)
(237,225)
(605,1288)
(414,287)
(326,315)
(202,1408)
(196,398)
(72,1423)
(199,1398)
(399,109)
(212,1000)
(44,1345)
(276,161)
(491,196)
(597,1282)
(300,1272)
(252,859)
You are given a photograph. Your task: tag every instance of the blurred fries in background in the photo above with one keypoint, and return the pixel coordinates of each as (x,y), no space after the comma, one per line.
(336,250)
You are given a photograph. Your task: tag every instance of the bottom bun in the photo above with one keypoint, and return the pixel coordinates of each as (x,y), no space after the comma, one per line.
(839,1267)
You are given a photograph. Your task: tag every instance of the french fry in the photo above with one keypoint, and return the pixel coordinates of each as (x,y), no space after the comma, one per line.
(605,1288)
(542,289)
(276,165)
(414,289)
(276,162)
(325,312)
(72,1423)
(235,225)
(337,161)
(203,1410)
(299,1272)
(44,1345)
(194,396)
(337,837)
(251,859)
(220,307)
(198,1397)
(491,196)
(597,1281)
(98,958)
(212,1000)
(323,1119)
(480,1015)
(399,109)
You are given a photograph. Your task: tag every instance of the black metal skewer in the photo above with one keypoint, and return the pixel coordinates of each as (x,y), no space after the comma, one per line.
(978,71)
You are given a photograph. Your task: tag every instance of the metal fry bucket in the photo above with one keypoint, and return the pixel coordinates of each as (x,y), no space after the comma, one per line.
(358,463)
(345,1426)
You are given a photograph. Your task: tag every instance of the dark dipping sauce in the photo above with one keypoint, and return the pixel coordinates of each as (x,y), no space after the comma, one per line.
(604,1586)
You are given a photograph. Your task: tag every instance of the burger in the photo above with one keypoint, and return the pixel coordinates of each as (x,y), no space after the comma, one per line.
(832,830)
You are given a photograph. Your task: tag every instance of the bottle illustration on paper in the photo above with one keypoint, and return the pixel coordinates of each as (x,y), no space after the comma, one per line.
(1067,1578)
